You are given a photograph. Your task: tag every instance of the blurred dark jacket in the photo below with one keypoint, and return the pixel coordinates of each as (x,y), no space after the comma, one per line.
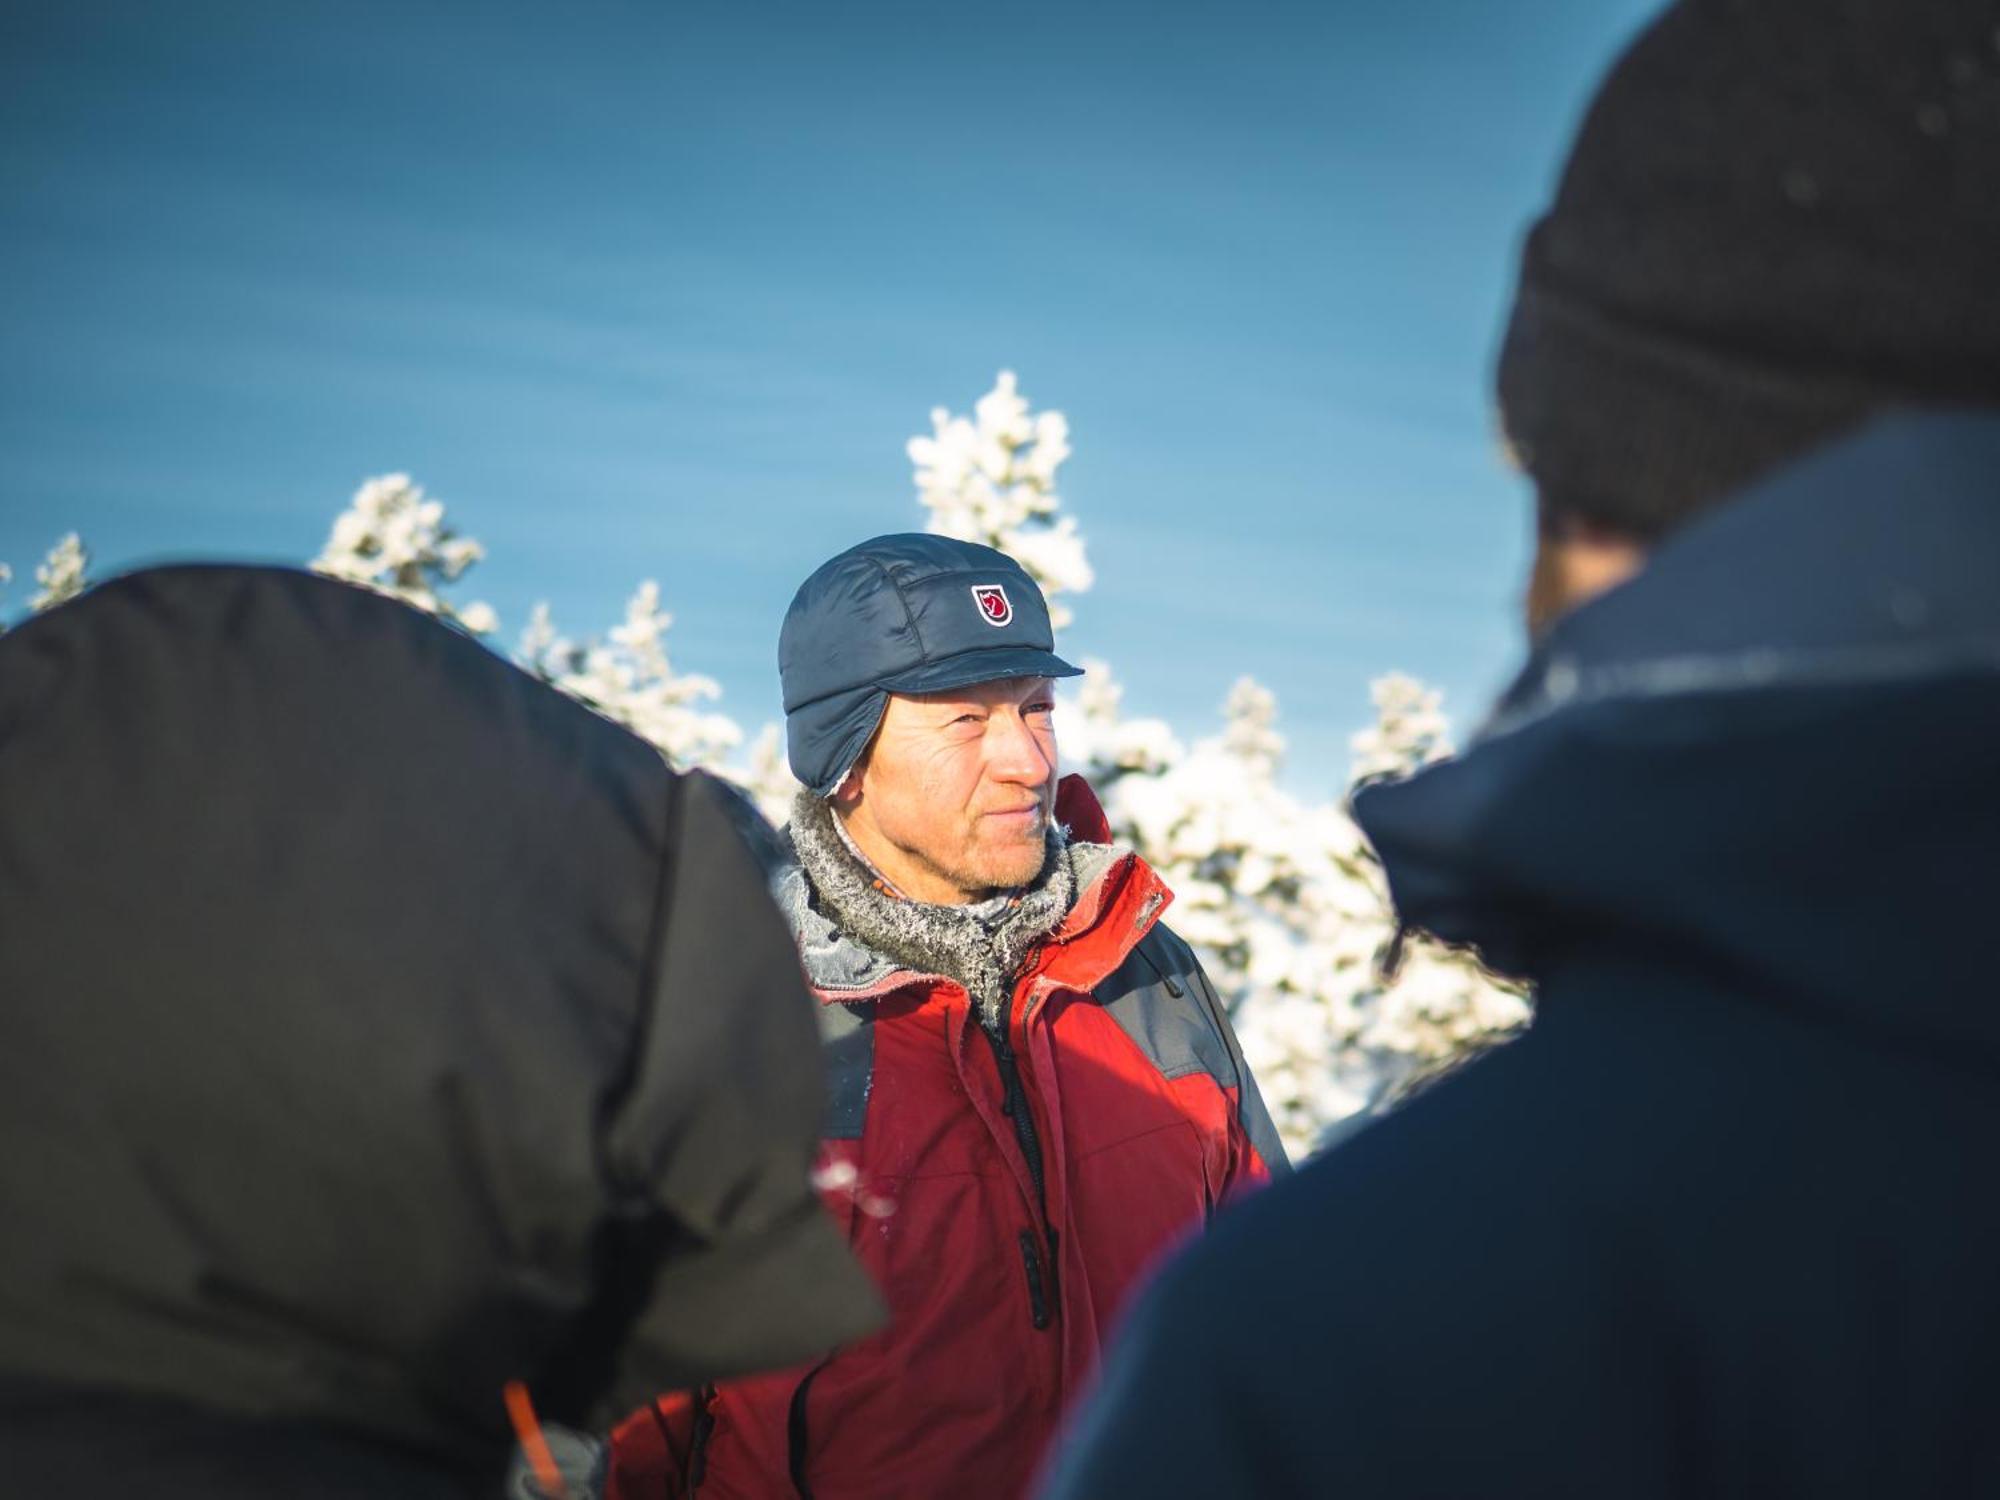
(380,1026)
(1724,1222)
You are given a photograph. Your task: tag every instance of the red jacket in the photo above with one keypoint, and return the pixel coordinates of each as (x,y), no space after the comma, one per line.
(1006,1198)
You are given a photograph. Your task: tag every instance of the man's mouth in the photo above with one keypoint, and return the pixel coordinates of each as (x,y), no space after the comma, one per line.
(1023,816)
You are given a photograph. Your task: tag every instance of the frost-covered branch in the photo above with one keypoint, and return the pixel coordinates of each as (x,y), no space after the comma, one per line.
(992,479)
(393,538)
(628,677)
(61,573)
(1410,730)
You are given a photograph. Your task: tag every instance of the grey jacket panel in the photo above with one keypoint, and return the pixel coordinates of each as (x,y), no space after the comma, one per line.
(1163,999)
(847,1039)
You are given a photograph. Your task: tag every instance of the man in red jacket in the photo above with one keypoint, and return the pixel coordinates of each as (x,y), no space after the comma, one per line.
(1035,1090)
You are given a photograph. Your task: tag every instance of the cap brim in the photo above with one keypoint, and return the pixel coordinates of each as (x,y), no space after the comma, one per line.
(970,667)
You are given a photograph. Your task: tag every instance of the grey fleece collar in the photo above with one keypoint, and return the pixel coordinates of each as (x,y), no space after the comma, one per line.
(983,946)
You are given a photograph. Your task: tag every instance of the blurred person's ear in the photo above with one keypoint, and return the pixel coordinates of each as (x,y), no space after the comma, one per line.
(1576,559)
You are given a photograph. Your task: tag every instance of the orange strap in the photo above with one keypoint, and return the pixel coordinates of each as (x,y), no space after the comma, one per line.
(528,1432)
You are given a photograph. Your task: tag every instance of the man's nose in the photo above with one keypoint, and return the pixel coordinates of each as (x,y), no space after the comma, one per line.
(1015,753)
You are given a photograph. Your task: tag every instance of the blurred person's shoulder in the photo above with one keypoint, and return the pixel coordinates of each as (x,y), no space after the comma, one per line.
(1417,1209)
(1400,1314)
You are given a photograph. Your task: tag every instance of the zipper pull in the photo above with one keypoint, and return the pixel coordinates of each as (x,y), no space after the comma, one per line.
(1038,1301)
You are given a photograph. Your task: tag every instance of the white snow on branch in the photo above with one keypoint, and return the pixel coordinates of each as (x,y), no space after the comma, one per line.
(991,478)
(628,677)
(393,538)
(61,573)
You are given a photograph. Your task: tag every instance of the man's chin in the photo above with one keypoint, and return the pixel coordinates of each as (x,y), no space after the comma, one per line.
(1004,869)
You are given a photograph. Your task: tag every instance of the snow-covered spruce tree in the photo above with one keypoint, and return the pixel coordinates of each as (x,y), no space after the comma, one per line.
(992,478)
(628,677)
(393,538)
(1289,907)
(62,573)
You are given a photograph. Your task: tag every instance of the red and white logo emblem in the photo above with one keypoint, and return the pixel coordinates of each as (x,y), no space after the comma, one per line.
(993,606)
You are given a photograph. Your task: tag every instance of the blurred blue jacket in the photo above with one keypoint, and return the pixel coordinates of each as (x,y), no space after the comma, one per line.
(1724,1222)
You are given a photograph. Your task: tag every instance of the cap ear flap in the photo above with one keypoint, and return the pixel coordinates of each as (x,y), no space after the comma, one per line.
(846,730)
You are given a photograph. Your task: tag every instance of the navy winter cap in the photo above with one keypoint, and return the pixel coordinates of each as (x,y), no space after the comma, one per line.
(908,613)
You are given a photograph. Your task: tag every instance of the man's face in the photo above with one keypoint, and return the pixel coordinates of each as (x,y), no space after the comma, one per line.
(1575,560)
(953,798)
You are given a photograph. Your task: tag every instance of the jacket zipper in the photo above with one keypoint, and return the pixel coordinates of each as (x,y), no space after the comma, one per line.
(1038,1299)
(1014,1105)
(1014,1102)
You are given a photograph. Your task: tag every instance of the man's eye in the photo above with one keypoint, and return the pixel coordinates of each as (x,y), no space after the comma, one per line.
(1039,708)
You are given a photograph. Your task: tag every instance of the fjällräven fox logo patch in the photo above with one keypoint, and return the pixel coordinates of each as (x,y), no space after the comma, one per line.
(992,601)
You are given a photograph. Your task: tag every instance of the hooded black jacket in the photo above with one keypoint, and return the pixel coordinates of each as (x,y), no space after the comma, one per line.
(377,1026)
(1724,1222)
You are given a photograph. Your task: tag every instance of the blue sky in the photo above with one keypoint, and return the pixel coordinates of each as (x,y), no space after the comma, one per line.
(660,290)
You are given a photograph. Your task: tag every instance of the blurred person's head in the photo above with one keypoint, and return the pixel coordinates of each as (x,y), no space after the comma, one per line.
(917,677)
(1779,219)
(435,1091)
